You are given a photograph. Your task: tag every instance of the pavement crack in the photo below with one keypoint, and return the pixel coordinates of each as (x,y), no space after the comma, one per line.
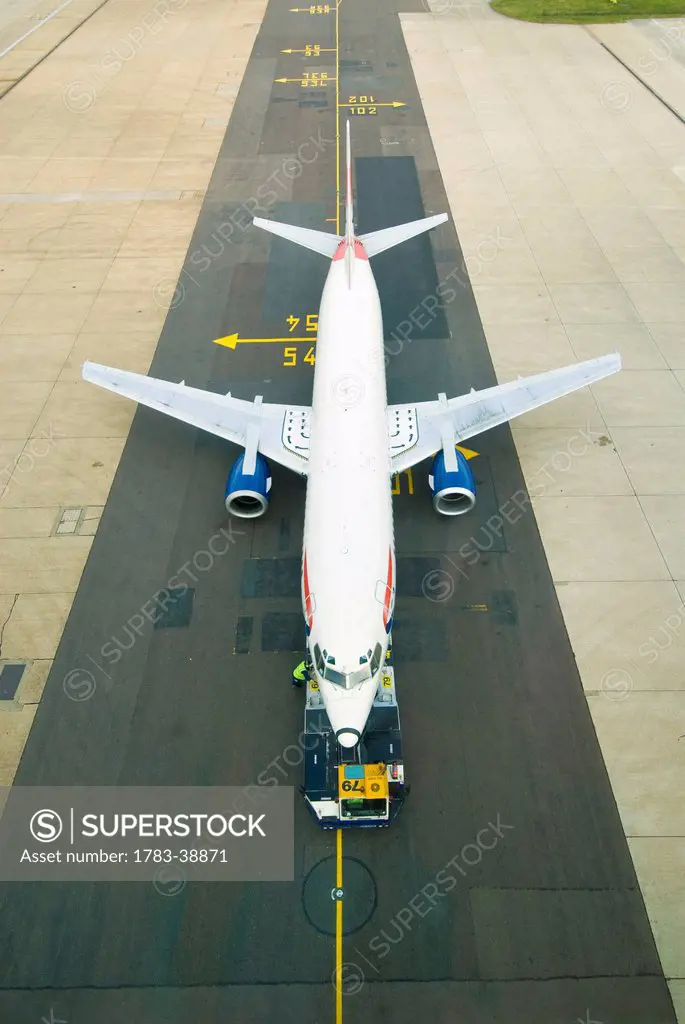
(9,616)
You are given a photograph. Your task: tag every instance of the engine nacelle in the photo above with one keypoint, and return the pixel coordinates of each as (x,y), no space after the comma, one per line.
(246,493)
(453,492)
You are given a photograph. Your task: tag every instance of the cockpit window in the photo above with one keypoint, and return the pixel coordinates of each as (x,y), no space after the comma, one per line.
(360,676)
(376,658)
(369,664)
(333,676)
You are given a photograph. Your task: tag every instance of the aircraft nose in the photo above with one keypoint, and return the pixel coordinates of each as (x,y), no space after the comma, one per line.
(347,737)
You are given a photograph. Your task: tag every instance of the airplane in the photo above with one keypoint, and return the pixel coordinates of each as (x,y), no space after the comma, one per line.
(350,445)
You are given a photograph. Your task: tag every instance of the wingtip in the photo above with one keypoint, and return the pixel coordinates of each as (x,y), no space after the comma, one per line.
(612,360)
(605,366)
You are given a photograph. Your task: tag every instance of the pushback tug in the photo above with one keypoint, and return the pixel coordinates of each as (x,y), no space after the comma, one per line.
(363,786)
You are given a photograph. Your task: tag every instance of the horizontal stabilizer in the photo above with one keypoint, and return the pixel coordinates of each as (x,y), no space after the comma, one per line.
(318,241)
(379,241)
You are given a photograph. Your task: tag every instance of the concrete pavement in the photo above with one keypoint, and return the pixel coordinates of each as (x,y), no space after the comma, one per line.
(545,139)
(550,195)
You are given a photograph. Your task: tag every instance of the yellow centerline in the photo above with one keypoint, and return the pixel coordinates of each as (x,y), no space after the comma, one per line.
(337,117)
(338,927)
(338,837)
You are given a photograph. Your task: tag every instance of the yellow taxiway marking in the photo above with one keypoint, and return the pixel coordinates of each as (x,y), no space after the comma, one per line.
(373,103)
(474,607)
(311,50)
(290,356)
(231,340)
(397,489)
(338,926)
(396,482)
(313,9)
(311,83)
(466,452)
(337,117)
(312,321)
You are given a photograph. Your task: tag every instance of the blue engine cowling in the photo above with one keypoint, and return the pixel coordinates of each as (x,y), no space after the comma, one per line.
(246,493)
(453,492)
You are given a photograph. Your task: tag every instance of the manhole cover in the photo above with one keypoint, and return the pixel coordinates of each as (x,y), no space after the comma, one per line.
(359,895)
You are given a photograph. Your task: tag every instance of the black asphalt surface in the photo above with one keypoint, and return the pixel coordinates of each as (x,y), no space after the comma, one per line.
(505,891)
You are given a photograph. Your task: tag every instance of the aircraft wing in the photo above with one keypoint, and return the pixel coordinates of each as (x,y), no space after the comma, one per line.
(418,431)
(282,431)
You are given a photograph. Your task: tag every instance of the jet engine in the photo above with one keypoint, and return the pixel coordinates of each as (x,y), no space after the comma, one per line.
(246,493)
(454,492)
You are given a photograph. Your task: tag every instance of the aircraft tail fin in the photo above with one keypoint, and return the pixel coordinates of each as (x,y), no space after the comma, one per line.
(317,241)
(386,238)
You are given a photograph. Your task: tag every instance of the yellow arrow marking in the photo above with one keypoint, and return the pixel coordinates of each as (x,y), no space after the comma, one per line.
(466,452)
(395,103)
(231,340)
(307,81)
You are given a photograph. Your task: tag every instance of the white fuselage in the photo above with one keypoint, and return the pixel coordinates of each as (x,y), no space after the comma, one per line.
(348,552)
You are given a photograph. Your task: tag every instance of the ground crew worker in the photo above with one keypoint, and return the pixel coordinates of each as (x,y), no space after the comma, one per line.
(301,674)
